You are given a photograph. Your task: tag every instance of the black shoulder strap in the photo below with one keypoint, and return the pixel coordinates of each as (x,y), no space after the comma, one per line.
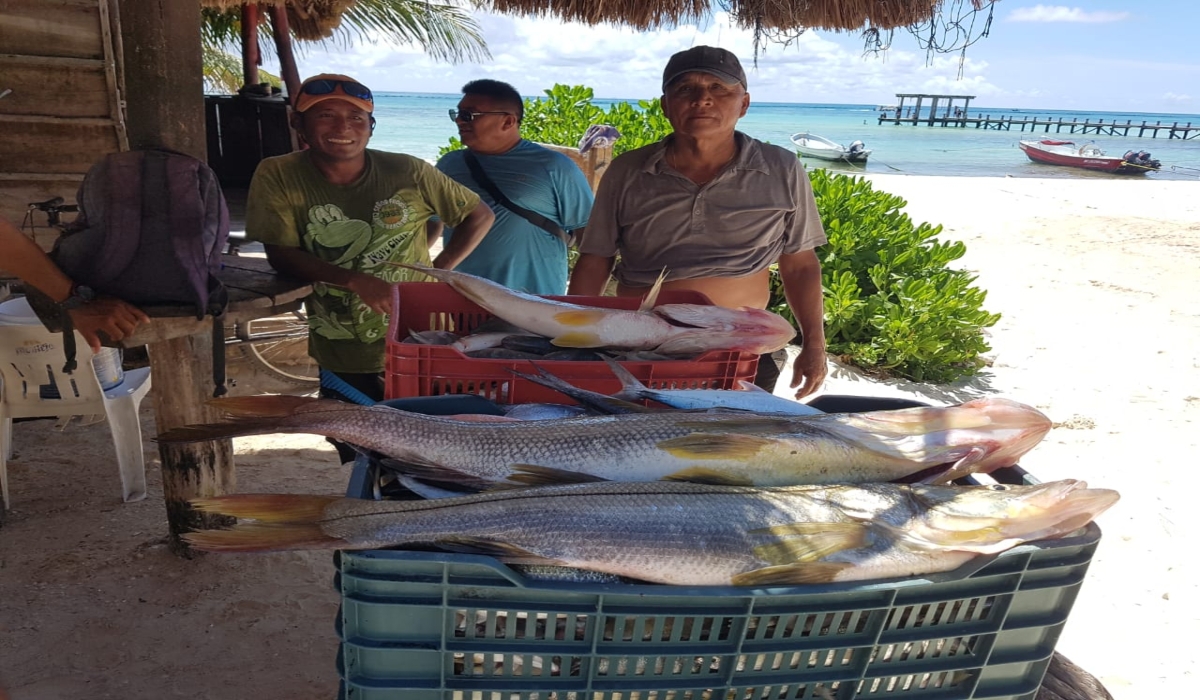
(531,216)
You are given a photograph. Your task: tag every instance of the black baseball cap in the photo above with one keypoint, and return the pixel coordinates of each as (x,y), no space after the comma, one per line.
(706,59)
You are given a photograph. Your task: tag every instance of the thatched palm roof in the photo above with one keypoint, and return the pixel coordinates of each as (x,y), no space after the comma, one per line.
(765,14)
(308,19)
(316,19)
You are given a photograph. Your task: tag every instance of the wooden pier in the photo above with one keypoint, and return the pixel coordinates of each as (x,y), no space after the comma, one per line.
(960,118)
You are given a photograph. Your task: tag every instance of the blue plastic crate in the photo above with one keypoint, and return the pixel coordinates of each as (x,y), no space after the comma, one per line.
(437,626)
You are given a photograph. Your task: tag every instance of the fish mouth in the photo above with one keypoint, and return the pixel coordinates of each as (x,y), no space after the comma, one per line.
(1018,429)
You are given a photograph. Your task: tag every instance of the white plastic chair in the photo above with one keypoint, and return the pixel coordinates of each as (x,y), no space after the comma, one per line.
(31,357)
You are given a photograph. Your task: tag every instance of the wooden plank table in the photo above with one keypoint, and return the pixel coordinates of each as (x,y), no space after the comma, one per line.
(180,350)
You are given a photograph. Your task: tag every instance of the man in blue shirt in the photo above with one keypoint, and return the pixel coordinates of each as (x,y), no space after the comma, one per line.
(516,252)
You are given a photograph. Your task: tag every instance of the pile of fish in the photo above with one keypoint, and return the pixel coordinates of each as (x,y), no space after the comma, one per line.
(689,487)
(537,326)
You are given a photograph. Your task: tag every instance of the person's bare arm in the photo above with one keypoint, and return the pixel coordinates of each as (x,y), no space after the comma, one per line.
(590,276)
(433,232)
(294,262)
(467,236)
(801,276)
(24,258)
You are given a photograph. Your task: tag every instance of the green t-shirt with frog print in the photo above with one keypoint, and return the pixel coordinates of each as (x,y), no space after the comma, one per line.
(362,226)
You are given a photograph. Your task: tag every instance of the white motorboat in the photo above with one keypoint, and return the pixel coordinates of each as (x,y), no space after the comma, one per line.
(813,146)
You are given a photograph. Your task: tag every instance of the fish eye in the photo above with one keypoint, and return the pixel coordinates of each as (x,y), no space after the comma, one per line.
(999,487)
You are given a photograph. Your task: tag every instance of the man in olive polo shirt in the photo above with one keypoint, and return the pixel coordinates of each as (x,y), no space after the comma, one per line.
(337,214)
(715,208)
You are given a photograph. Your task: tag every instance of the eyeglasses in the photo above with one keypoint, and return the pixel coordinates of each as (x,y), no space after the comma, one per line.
(458,115)
(325,87)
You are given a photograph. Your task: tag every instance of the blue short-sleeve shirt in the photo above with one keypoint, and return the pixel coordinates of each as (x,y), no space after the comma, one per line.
(515,252)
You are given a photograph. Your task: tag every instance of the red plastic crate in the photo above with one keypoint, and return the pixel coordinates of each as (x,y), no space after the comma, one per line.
(433,370)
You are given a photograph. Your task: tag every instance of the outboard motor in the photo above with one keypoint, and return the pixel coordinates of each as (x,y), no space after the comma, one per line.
(857,147)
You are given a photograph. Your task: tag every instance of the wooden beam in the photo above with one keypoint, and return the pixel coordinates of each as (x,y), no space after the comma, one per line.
(42,177)
(114,68)
(283,46)
(250,55)
(43,119)
(164,77)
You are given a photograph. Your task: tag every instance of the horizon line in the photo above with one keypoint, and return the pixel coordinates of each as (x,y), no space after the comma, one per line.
(871,106)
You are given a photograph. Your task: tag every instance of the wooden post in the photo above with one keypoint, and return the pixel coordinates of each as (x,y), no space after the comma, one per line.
(250,54)
(164,83)
(283,47)
(164,79)
(182,371)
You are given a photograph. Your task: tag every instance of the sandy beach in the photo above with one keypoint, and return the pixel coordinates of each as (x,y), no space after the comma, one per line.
(1096,282)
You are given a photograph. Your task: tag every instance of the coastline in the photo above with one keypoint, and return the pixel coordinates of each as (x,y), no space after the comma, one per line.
(417,124)
(1096,284)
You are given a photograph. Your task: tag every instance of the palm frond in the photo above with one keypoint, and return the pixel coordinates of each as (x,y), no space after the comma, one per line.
(223,72)
(445,32)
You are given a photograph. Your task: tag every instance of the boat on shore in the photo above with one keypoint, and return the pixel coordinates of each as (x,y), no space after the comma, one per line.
(813,146)
(1089,157)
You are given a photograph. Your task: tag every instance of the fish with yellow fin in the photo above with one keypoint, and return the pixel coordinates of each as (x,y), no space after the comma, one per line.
(683,534)
(670,329)
(922,444)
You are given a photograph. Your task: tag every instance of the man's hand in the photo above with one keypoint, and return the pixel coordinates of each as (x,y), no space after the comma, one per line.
(112,317)
(808,371)
(374,292)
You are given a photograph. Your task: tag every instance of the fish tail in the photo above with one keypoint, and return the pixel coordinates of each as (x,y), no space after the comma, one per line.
(202,432)
(273,405)
(267,507)
(631,388)
(285,522)
(600,403)
(262,415)
(263,538)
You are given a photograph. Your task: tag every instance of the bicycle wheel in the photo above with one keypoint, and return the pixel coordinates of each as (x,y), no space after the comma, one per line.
(279,346)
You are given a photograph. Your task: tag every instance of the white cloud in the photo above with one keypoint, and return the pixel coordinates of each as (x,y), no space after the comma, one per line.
(534,53)
(1177,98)
(1060,13)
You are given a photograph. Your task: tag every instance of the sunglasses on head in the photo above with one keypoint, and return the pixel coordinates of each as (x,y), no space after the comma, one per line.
(459,115)
(349,87)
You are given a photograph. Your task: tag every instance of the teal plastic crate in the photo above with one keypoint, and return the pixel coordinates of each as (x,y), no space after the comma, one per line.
(434,626)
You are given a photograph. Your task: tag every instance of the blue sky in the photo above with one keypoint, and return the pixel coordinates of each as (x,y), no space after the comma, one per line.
(1109,56)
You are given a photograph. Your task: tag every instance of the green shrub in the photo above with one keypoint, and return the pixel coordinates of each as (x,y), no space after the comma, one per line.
(891,301)
(567,111)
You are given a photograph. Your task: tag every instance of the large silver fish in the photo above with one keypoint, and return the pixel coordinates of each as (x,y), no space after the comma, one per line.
(686,534)
(672,329)
(729,448)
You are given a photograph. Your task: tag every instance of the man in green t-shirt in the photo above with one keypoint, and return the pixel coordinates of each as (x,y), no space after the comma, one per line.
(337,213)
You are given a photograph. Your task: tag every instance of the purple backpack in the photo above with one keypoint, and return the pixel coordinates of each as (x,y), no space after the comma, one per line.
(151,229)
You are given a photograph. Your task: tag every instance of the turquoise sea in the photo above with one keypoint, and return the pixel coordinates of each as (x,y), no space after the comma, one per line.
(417,123)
